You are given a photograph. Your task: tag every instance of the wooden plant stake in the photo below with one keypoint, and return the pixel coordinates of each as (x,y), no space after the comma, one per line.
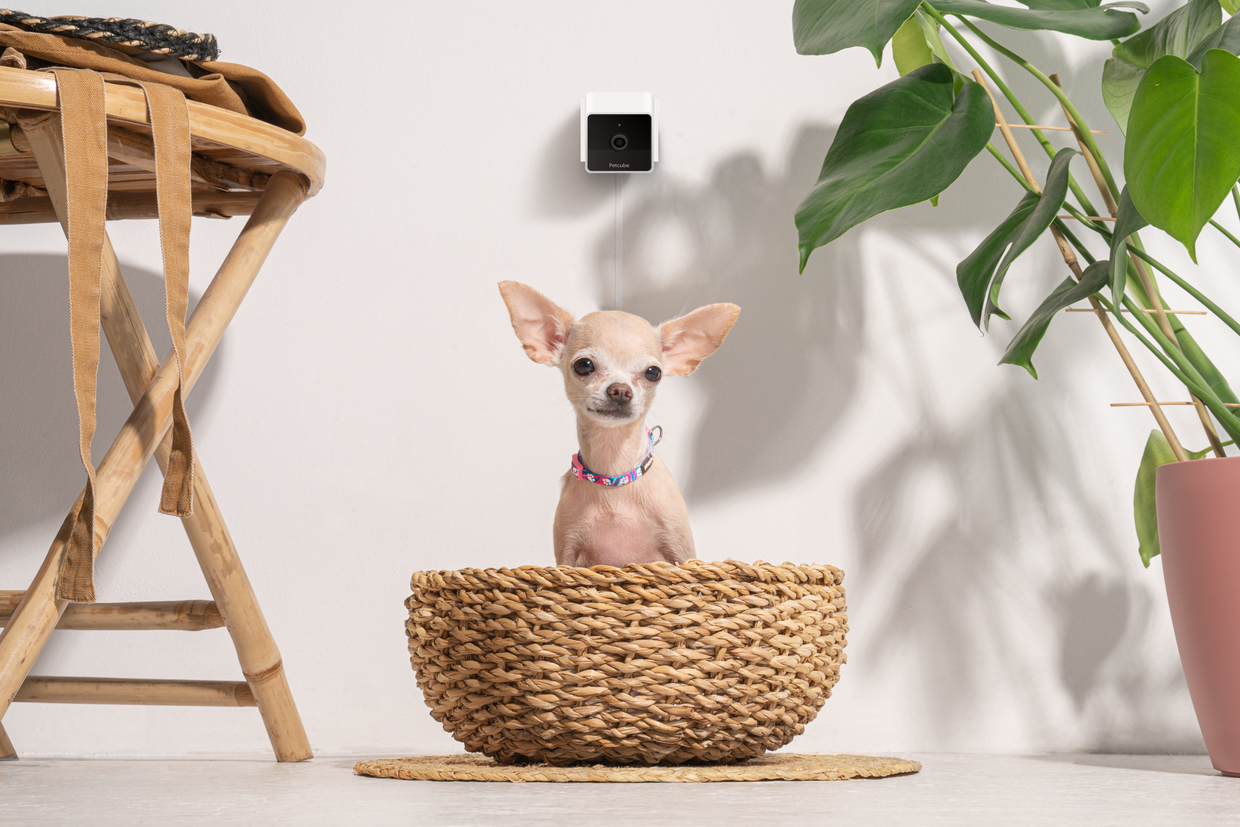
(1070,259)
(1146,282)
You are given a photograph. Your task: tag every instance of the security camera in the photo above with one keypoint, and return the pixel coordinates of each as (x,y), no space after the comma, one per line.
(619,132)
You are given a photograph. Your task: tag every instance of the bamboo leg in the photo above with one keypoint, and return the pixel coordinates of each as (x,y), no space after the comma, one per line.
(7,753)
(256,648)
(32,623)
(208,534)
(217,556)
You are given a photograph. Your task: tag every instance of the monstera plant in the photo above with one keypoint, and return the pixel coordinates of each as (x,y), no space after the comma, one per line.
(1173,88)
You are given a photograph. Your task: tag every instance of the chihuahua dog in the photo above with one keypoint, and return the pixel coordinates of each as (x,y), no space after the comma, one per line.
(619,504)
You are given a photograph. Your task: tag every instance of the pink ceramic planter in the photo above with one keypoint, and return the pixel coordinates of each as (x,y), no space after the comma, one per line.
(1199,533)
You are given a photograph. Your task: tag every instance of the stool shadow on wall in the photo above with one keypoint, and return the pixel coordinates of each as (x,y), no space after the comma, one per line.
(942,595)
(40,472)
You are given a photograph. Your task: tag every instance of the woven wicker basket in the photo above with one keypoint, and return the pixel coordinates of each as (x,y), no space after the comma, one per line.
(658,663)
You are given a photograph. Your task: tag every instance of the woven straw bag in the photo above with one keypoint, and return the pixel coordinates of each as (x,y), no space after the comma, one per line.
(657,663)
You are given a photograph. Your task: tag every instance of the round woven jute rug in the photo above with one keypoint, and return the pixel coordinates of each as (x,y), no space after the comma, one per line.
(790,767)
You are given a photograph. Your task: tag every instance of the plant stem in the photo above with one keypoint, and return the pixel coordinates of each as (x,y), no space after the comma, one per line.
(1090,150)
(1235,197)
(1182,368)
(1145,289)
(1081,198)
(1099,182)
(1008,166)
(1188,288)
(1223,230)
(1154,349)
(1136,296)
(1058,93)
(1190,377)
(1069,258)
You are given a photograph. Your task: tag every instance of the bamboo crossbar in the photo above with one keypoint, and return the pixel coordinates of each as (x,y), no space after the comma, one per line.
(1147,404)
(133,205)
(1051,128)
(1144,310)
(42,689)
(178,615)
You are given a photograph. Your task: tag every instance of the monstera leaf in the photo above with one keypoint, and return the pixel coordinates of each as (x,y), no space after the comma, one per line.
(1225,37)
(1176,34)
(1157,452)
(899,145)
(1181,155)
(1120,80)
(980,276)
(1088,20)
(821,27)
(918,42)
(910,48)
(1020,349)
(1179,33)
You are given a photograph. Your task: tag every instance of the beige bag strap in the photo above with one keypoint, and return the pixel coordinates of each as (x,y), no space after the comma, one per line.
(84,123)
(170,132)
(84,119)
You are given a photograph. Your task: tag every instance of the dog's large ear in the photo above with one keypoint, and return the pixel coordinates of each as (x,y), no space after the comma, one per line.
(690,339)
(540,324)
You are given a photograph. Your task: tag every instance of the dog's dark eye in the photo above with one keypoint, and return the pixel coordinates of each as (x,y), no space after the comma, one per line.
(653,373)
(583,367)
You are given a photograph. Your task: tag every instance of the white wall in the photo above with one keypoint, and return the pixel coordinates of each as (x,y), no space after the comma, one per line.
(370,413)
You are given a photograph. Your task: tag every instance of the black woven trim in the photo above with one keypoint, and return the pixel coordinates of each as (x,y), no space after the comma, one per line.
(156,38)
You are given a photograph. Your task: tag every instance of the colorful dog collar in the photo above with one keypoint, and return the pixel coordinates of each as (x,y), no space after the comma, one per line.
(581,473)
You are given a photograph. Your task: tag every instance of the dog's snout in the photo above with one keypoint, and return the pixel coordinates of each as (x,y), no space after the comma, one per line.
(620,392)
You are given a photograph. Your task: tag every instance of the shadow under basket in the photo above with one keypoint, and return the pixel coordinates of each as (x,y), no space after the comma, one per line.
(646,664)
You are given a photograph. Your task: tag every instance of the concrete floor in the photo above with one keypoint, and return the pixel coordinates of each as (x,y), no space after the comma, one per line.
(1096,790)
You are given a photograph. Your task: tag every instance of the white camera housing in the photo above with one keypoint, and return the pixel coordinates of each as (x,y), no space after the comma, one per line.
(619,132)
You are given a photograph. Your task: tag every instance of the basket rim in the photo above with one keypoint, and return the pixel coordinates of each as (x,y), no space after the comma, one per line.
(642,574)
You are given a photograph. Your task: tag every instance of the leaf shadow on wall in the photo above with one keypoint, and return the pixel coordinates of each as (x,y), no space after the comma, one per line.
(960,602)
(733,240)
(949,600)
(40,472)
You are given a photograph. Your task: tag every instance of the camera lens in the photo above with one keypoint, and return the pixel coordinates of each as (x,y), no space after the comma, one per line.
(619,142)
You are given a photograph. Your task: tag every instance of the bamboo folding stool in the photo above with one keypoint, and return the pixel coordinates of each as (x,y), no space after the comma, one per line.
(241,166)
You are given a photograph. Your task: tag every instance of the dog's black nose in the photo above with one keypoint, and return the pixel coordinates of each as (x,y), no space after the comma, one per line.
(620,392)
